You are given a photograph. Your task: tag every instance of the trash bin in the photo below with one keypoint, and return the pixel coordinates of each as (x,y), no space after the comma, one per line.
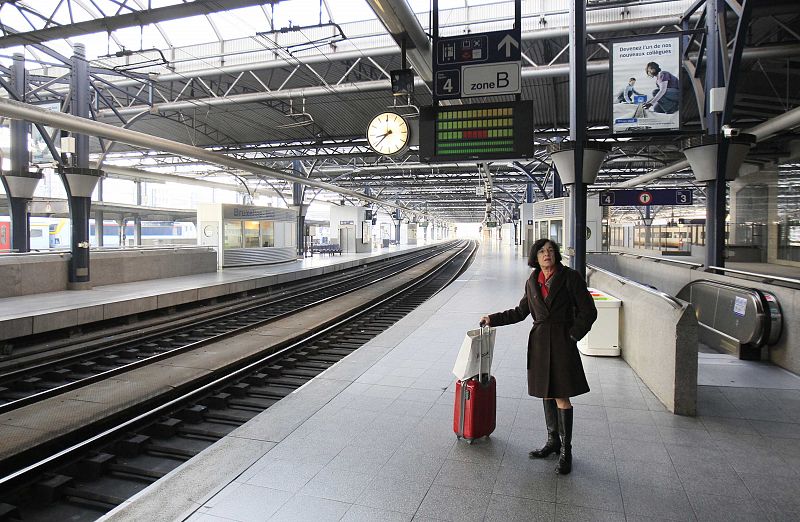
(603,338)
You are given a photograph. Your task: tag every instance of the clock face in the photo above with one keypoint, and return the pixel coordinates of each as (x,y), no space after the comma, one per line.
(388,133)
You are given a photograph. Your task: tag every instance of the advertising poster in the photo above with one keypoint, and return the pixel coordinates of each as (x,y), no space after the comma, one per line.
(646,85)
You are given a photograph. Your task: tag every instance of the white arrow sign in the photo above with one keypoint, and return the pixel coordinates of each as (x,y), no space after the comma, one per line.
(507,42)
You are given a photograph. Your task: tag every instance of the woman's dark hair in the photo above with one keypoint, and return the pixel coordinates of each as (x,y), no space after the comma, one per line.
(533,262)
(654,66)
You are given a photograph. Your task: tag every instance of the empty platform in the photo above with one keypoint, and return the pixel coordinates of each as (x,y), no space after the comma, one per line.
(371,438)
(37,313)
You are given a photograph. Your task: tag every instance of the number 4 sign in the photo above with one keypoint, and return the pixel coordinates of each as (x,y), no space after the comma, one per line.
(448,82)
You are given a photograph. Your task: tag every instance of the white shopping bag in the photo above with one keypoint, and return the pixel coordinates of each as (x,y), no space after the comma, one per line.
(475,355)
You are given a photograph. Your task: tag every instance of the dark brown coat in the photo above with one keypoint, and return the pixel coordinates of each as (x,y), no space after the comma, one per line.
(554,364)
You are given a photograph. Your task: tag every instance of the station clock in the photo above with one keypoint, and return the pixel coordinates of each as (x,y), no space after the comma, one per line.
(388,133)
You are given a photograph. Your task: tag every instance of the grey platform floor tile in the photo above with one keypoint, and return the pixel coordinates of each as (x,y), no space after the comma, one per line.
(337,484)
(358,513)
(467,475)
(565,513)
(688,437)
(485,451)
(406,465)
(283,474)
(205,517)
(589,493)
(591,427)
(403,408)
(782,493)
(590,467)
(393,493)
(301,508)
(665,503)
(635,432)
(728,485)
(383,390)
(726,509)
(247,502)
(728,425)
(770,465)
(638,450)
(362,459)
(786,430)
(670,420)
(525,483)
(650,474)
(779,512)
(629,416)
(454,504)
(426,442)
(512,509)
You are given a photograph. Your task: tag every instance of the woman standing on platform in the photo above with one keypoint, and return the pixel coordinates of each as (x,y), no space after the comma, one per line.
(563,312)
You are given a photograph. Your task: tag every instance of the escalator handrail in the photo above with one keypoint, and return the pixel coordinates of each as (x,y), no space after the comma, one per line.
(766,278)
(693,266)
(675,303)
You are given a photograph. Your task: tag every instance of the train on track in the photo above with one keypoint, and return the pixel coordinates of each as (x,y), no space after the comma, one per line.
(54,233)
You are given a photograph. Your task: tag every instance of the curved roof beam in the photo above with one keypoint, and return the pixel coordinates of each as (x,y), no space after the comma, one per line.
(401,22)
(110,23)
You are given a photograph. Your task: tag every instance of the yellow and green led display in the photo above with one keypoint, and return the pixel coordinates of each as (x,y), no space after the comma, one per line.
(490,131)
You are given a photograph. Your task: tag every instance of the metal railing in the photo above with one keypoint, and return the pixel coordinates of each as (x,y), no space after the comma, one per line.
(764,278)
(654,258)
(675,303)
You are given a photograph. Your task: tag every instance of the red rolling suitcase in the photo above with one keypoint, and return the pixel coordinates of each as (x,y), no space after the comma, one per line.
(475,410)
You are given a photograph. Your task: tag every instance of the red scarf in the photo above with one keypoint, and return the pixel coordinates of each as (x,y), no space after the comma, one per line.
(542,280)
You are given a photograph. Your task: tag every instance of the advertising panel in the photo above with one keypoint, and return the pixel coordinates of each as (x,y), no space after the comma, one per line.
(646,85)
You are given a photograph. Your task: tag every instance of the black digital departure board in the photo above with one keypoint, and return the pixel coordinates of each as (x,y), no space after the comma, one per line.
(484,131)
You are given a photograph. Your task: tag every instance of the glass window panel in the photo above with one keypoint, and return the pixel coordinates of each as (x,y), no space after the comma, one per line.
(250,234)
(233,234)
(556,226)
(267,234)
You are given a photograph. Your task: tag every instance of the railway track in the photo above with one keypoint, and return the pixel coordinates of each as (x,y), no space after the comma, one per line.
(98,473)
(80,365)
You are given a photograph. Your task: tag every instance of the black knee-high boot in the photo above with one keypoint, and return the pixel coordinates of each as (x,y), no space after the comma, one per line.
(553,444)
(565,431)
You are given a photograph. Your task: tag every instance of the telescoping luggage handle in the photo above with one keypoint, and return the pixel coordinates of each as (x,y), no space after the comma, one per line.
(483,341)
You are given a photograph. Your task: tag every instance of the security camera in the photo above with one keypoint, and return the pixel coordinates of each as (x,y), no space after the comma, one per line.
(730,132)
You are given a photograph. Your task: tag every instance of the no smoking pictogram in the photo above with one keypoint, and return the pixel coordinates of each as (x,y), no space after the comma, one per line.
(645,198)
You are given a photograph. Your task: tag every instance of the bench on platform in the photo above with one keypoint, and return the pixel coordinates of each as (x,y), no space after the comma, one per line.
(329,249)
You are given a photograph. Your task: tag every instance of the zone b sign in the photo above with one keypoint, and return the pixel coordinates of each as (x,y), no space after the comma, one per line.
(484,64)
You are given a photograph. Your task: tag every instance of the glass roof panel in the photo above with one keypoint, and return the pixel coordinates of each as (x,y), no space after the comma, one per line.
(189,31)
(239,23)
(349,11)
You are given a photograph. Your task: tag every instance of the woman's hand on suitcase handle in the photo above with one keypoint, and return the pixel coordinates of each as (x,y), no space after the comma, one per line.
(485,321)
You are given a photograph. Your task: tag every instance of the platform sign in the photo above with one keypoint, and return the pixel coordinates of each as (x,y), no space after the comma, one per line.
(481,131)
(484,64)
(632,198)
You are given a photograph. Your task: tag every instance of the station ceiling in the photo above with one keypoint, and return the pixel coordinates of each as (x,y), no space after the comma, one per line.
(293,84)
